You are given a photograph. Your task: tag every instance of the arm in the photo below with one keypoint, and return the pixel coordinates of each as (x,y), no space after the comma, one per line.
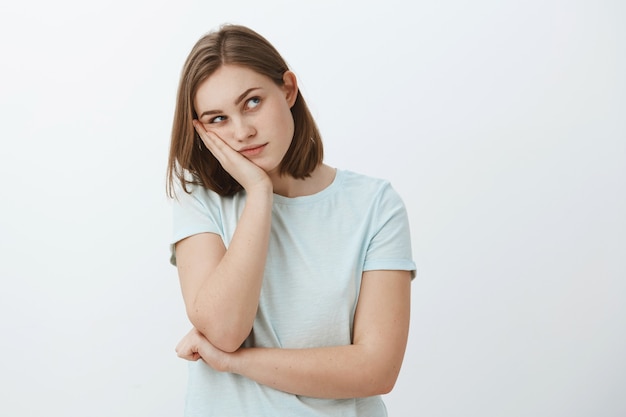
(221,287)
(369,366)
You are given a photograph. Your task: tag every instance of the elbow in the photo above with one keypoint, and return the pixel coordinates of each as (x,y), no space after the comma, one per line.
(229,344)
(386,386)
(227,337)
(383,379)
(381,386)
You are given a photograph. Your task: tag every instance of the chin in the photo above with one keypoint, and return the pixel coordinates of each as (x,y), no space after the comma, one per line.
(268,168)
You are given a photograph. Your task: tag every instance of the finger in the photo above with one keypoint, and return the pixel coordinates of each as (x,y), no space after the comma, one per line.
(188,354)
(207,139)
(220,149)
(210,139)
(238,166)
(183,349)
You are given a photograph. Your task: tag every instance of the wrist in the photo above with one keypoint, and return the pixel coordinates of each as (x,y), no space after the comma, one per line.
(236,361)
(262,185)
(262,191)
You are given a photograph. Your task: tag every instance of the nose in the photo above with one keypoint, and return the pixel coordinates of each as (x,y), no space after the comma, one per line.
(242,129)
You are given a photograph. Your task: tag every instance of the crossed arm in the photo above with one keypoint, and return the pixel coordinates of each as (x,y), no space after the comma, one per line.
(368,366)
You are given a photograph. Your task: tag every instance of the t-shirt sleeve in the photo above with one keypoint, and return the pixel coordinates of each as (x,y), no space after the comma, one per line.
(390,245)
(192,214)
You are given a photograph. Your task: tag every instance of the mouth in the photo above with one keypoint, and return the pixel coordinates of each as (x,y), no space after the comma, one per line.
(252,150)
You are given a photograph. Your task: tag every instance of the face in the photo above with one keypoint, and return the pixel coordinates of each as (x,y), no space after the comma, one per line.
(249,112)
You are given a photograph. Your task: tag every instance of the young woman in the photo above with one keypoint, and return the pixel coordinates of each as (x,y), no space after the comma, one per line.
(295,275)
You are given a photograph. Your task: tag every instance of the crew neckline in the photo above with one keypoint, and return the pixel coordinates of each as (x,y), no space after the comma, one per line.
(305,199)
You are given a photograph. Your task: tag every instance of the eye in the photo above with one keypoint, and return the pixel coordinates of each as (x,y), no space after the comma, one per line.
(253,102)
(217,119)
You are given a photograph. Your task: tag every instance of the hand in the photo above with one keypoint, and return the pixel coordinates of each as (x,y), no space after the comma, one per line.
(244,171)
(195,346)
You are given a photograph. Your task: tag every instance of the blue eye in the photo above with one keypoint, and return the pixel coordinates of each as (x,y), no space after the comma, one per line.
(217,119)
(253,102)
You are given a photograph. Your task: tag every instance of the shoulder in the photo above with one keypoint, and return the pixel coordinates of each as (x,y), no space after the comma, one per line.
(354,181)
(196,194)
(362,186)
(198,210)
(197,204)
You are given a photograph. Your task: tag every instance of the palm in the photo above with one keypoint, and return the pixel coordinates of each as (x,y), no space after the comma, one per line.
(244,171)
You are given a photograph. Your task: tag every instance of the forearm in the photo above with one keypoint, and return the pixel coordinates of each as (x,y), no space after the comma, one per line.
(225,305)
(369,366)
(350,371)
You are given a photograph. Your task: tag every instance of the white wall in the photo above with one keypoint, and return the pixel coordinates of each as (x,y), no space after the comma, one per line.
(501,123)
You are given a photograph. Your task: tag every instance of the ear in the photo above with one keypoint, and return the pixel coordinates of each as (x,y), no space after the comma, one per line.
(290,87)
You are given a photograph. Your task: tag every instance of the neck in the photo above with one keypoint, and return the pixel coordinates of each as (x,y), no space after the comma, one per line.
(289,186)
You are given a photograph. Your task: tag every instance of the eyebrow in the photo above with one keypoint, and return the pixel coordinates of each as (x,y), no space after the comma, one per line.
(241,97)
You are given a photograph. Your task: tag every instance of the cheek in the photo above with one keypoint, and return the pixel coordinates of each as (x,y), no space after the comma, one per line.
(287,122)
(279,121)
(222,132)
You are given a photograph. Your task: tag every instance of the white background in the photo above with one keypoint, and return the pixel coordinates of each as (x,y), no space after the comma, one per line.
(501,123)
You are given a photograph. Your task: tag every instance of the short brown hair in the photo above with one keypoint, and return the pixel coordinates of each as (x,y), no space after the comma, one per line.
(190,162)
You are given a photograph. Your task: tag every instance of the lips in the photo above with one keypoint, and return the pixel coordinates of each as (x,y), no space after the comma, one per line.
(252,150)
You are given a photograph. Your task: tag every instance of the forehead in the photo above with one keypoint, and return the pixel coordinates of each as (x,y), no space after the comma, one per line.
(226,84)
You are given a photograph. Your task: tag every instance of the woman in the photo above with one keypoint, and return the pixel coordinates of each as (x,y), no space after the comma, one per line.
(295,276)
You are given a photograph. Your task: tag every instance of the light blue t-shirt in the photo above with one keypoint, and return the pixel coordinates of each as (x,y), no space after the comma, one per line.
(319,247)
